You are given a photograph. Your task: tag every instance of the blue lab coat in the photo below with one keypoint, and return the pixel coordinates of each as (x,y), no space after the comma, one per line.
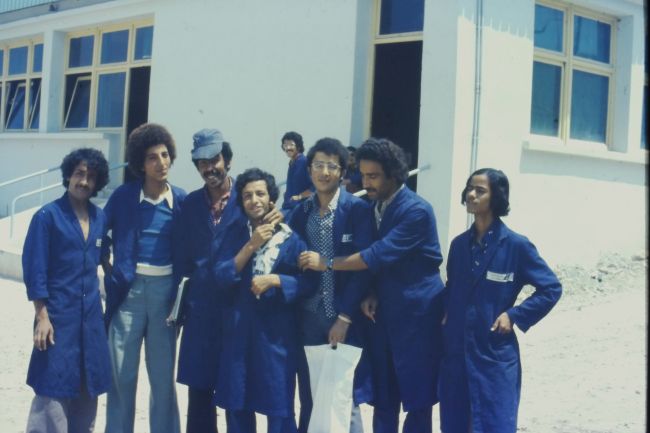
(298,180)
(201,341)
(478,290)
(258,361)
(352,232)
(60,268)
(122,218)
(405,259)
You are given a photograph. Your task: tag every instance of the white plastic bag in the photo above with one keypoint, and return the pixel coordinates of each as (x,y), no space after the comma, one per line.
(331,376)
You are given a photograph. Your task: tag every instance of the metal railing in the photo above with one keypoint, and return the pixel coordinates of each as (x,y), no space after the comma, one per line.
(37,191)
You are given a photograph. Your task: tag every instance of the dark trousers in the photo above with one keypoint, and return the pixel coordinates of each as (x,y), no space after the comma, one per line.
(201,413)
(243,421)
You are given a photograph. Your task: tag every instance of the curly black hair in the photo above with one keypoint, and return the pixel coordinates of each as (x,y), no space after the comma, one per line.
(252,175)
(499,190)
(391,157)
(142,138)
(95,161)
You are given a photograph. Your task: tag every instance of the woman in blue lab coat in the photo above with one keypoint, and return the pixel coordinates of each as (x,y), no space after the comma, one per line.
(255,269)
(480,377)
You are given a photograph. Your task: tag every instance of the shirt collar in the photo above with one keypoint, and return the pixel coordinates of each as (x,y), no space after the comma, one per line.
(388,201)
(167,195)
(331,206)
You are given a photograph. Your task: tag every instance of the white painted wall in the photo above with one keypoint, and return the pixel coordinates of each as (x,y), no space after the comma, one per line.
(574,204)
(254,70)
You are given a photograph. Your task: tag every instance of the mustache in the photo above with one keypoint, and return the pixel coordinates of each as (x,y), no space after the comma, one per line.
(213,172)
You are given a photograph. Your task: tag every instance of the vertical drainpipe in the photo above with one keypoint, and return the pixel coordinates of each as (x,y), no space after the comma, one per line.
(478,54)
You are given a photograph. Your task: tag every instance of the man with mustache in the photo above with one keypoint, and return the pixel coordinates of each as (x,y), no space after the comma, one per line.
(405,342)
(70,365)
(299,184)
(207,212)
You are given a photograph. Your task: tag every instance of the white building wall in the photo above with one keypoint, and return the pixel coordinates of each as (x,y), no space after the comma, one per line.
(574,204)
(254,70)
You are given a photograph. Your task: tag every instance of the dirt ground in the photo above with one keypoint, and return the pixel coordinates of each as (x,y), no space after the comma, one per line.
(584,365)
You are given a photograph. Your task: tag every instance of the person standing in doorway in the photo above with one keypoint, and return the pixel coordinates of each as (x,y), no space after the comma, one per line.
(140,283)
(70,364)
(299,184)
(480,376)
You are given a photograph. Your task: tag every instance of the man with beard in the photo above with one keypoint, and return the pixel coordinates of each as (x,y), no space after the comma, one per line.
(207,215)
(405,342)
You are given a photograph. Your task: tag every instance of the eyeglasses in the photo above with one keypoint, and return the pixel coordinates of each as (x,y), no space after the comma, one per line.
(320,166)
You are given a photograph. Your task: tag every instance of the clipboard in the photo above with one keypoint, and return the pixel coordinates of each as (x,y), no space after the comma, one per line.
(177,308)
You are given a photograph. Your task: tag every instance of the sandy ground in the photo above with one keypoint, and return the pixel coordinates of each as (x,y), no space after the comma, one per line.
(584,366)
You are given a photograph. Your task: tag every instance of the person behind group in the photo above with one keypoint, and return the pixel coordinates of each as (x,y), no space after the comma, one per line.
(480,376)
(70,364)
(406,307)
(206,215)
(299,184)
(352,178)
(255,268)
(140,285)
(333,223)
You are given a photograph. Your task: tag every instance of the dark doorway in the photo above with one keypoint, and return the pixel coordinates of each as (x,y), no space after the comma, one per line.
(396,97)
(138,109)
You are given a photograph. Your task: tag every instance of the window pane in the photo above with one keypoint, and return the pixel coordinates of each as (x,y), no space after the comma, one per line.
(545,110)
(34,103)
(17,60)
(401,16)
(591,39)
(2,62)
(549,28)
(115,46)
(77,100)
(81,51)
(143,40)
(15,105)
(38,58)
(589,106)
(110,99)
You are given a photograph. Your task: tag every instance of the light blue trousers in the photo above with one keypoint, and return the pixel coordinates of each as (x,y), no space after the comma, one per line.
(141,317)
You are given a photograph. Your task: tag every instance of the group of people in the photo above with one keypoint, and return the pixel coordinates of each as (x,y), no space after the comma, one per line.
(262,281)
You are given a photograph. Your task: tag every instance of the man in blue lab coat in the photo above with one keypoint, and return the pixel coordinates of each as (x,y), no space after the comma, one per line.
(333,222)
(70,364)
(207,213)
(406,307)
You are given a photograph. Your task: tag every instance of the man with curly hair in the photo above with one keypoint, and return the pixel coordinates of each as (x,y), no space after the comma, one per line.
(70,364)
(405,341)
(140,284)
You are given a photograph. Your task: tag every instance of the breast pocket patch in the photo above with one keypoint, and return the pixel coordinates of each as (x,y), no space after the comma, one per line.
(347,237)
(500,278)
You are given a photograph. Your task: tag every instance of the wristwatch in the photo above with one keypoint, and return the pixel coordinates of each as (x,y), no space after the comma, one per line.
(330,263)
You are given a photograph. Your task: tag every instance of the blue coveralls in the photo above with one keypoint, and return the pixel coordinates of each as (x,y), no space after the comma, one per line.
(200,345)
(480,377)
(60,268)
(352,233)
(298,180)
(259,353)
(405,343)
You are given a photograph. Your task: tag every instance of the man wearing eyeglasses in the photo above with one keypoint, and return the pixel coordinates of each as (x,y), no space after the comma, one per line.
(299,185)
(333,222)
